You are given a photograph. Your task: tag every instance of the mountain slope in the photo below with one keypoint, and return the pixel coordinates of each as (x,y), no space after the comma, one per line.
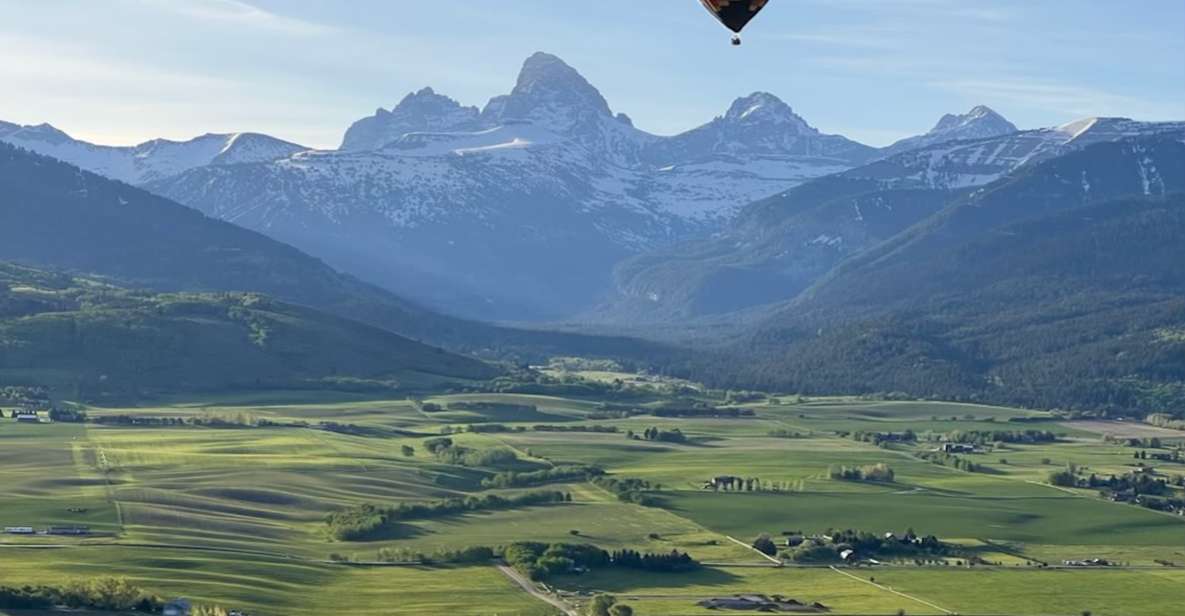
(96,340)
(779,246)
(1057,287)
(980,123)
(151,160)
(56,215)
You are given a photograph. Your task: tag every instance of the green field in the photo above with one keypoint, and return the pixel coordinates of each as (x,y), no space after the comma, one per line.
(234,516)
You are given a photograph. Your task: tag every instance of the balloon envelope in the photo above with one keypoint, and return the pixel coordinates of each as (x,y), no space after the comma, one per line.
(734,14)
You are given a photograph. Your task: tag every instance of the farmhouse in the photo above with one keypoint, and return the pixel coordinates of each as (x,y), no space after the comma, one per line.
(177,607)
(724,482)
(1090,562)
(26,415)
(848,555)
(19,530)
(957,448)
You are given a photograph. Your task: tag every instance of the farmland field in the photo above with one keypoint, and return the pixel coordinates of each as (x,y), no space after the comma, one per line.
(233,512)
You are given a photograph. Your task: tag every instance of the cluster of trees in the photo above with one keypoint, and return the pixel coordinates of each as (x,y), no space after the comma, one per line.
(468,555)
(702,411)
(1172,456)
(983,437)
(570,385)
(782,433)
(875,472)
(366,521)
(1165,420)
(666,436)
(24,394)
(607,605)
(942,458)
(212,420)
(672,562)
(578,428)
(540,560)
(881,438)
(563,472)
(630,490)
(113,594)
(488,428)
(1132,484)
(833,543)
(67,414)
(448,452)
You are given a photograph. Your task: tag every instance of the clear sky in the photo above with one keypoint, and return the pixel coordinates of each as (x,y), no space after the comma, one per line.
(123,71)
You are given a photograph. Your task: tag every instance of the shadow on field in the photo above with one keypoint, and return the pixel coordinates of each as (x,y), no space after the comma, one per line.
(624,582)
(391,531)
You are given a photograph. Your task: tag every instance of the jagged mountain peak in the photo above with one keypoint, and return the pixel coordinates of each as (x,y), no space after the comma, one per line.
(421,111)
(551,93)
(426,101)
(44,132)
(766,108)
(980,121)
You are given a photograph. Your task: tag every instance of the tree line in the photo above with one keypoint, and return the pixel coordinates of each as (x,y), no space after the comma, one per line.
(365,521)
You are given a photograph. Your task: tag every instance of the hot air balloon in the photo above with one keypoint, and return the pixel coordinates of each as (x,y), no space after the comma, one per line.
(734,14)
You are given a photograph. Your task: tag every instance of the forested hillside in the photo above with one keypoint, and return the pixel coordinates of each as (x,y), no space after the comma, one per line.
(1049,288)
(92,340)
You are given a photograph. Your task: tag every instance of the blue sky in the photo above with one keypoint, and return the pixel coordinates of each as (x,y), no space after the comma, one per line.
(123,71)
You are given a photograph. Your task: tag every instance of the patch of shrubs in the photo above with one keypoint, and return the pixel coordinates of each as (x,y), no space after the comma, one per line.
(112,594)
(540,560)
(563,472)
(880,473)
(366,521)
(829,547)
(449,453)
(630,490)
(945,459)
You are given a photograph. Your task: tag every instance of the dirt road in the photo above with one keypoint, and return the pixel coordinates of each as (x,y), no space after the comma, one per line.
(529,586)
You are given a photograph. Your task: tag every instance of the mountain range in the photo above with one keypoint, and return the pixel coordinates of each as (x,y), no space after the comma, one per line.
(516,210)
(975,262)
(779,246)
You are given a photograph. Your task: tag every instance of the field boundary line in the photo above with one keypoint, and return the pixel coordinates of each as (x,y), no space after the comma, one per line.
(896,592)
(771,559)
(1079,495)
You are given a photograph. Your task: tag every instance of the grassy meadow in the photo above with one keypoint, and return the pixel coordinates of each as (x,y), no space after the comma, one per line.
(235,515)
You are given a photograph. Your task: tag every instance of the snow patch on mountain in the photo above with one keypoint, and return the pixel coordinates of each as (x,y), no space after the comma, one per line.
(965,164)
(981,122)
(151,160)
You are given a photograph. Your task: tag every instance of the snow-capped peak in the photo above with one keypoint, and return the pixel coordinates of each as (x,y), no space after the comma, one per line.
(765,108)
(43,133)
(978,123)
(420,111)
(550,93)
(981,122)
(151,160)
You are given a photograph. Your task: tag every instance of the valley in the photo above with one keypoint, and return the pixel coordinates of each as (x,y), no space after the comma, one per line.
(222,499)
(772,326)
